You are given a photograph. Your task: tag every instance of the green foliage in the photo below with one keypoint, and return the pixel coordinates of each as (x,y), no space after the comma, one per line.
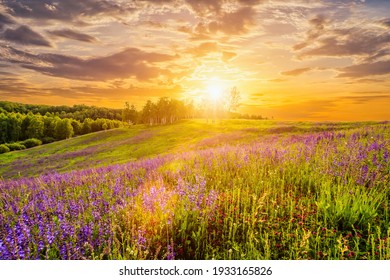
(32,142)
(78,112)
(4,149)
(234,190)
(15,146)
(63,129)
(130,114)
(165,111)
(47,140)
(36,127)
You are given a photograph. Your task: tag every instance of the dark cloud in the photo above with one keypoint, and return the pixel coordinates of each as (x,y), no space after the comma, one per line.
(325,40)
(386,22)
(351,42)
(366,69)
(317,29)
(131,62)
(15,87)
(5,19)
(24,35)
(74,35)
(296,72)
(65,10)
(3,73)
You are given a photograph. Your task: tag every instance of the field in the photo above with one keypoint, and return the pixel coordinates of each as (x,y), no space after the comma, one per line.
(233,189)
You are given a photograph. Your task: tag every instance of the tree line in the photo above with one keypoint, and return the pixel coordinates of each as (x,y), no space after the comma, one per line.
(19,123)
(77,112)
(17,128)
(163,111)
(166,110)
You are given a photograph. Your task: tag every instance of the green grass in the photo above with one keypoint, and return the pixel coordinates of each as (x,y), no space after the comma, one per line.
(129,144)
(230,190)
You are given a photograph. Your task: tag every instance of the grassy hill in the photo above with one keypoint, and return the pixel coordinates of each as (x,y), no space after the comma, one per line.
(196,190)
(140,141)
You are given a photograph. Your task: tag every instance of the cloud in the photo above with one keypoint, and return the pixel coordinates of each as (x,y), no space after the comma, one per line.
(296,72)
(234,23)
(65,10)
(252,2)
(74,35)
(386,22)
(131,62)
(24,35)
(205,6)
(366,69)
(362,99)
(204,49)
(317,29)
(278,80)
(5,19)
(363,41)
(227,56)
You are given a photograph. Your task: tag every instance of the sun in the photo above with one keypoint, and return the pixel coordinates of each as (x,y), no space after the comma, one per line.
(214,91)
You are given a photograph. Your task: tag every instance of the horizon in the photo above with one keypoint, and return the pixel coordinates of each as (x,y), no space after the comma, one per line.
(321,60)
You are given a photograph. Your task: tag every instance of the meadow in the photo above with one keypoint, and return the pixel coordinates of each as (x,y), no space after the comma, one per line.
(195,190)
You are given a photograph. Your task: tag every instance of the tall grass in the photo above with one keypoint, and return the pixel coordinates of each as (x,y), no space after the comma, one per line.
(318,195)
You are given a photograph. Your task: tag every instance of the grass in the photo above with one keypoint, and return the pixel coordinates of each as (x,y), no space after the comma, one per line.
(129,144)
(196,190)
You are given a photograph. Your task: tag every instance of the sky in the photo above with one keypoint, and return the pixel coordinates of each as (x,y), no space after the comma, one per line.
(315,60)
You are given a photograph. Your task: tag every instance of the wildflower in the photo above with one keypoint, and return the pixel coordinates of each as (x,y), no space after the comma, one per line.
(171,253)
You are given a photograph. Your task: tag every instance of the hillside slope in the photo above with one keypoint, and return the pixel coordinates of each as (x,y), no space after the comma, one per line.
(129,144)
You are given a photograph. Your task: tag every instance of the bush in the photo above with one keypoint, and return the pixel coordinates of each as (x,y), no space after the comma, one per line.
(15,146)
(4,149)
(32,142)
(47,140)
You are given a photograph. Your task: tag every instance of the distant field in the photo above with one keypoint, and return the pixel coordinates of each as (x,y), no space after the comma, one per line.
(129,144)
(234,189)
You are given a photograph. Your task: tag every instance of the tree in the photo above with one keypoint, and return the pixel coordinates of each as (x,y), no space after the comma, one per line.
(87,126)
(50,125)
(15,127)
(64,129)
(3,128)
(148,113)
(36,127)
(234,100)
(129,114)
(77,127)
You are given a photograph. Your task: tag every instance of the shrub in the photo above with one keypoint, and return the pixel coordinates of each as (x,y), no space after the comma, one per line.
(47,140)
(15,146)
(4,149)
(32,142)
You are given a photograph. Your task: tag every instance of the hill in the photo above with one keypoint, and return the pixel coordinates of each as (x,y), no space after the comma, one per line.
(196,190)
(140,141)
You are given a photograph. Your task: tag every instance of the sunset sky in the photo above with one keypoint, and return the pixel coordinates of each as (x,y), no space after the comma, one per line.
(291,60)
